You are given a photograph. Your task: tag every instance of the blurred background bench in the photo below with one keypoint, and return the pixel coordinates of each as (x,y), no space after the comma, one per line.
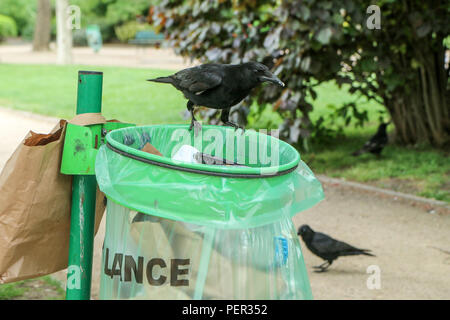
(147,38)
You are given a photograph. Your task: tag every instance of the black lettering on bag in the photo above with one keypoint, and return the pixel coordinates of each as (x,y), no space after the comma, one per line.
(150,265)
(106,270)
(117,266)
(130,264)
(175,272)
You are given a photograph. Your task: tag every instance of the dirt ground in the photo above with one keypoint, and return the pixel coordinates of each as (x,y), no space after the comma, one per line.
(412,246)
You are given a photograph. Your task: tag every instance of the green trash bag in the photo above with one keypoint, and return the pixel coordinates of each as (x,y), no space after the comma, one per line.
(192,229)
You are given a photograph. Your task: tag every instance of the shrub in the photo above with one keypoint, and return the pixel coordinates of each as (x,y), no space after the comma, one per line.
(307,42)
(24,14)
(8,27)
(110,13)
(128,30)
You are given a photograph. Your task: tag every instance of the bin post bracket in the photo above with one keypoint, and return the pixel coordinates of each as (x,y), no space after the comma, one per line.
(81,146)
(80,149)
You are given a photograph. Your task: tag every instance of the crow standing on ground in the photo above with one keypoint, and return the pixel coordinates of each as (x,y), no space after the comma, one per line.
(375,144)
(326,247)
(218,86)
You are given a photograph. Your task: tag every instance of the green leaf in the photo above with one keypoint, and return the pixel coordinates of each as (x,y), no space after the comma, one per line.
(423,30)
(324,35)
(305,12)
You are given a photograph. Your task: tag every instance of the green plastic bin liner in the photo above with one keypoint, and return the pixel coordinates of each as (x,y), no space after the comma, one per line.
(182,230)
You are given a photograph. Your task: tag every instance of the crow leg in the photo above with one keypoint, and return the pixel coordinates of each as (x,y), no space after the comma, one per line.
(224,117)
(323,267)
(194,123)
(190,107)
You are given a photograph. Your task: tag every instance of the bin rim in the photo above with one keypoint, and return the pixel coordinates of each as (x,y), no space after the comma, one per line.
(214,170)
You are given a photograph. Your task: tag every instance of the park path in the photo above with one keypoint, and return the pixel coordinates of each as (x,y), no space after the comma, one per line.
(109,55)
(412,245)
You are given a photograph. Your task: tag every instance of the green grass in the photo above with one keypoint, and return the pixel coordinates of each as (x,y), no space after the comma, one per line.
(51,90)
(42,288)
(422,171)
(60,293)
(10,291)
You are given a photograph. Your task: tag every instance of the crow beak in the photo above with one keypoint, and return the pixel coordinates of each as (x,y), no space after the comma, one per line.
(272,79)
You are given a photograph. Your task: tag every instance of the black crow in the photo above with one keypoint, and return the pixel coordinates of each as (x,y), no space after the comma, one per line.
(375,144)
(326,247)
(218,86)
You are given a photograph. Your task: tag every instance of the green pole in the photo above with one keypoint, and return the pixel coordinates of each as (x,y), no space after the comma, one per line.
(89,100)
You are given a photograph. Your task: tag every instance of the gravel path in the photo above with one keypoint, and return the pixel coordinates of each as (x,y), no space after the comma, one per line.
(412,247)
(109,55)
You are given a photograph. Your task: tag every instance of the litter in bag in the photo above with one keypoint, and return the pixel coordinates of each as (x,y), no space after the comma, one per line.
(186,230)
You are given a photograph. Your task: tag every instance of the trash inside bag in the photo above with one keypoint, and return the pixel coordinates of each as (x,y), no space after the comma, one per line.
(186,153)
(274,183)
(180,227)
(190,154)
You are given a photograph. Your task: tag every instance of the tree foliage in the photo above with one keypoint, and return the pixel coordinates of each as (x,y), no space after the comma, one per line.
(306,42)
(23,12)
(110,14)
(128,30)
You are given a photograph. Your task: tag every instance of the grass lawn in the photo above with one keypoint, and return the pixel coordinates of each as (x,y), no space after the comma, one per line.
(43,288)
(51,90)
(421,171)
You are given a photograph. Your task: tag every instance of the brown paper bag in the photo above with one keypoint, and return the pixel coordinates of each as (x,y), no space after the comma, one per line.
(35,201)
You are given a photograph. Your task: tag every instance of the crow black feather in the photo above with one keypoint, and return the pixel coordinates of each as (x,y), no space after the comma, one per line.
(326,247)
(376,143)
(218,86)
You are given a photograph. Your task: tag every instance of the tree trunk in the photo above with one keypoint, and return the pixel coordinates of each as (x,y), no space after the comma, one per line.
(63,32)
(422,115)
(41,39)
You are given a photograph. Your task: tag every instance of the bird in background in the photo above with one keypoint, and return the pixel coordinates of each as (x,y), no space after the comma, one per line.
(376,143)
(218,86)
(327,248)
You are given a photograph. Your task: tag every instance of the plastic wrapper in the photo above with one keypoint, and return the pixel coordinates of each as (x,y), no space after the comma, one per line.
(179,230)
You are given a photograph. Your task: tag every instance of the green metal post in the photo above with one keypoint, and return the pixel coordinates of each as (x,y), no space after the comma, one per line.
(89,100)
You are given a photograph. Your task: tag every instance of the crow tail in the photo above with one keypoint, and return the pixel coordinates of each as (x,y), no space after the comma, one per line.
(364,251)
(356,251)
(161,80)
